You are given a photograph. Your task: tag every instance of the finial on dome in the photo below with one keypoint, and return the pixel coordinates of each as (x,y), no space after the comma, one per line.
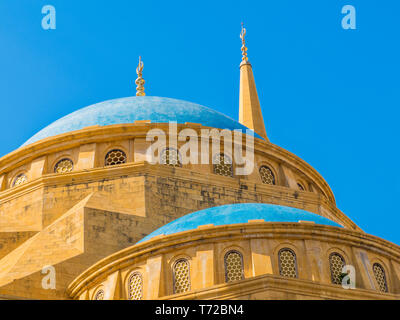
(140,81)
(245,59)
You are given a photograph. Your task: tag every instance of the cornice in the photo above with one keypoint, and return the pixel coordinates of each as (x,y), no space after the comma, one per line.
(263,283)
(143,168)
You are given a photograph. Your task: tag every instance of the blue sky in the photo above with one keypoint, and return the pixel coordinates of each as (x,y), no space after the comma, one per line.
(329,95)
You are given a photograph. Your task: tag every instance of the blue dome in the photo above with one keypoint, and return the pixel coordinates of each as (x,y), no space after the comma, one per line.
(128,110)
(239,213)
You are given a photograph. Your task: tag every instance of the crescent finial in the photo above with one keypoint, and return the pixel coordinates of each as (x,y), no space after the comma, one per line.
(140,81)
(244,48)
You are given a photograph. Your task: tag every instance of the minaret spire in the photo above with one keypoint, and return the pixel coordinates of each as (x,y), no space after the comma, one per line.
(250,113)
(140,81)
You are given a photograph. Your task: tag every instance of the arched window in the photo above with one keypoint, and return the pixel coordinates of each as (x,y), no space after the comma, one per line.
(135,286)
(99,295)
(380,277)
(287,263)
(20,179)
(222,165)
(301,187)
(336,264)
(170,157)
(114,157)
(64,166)
(233,266)
(267,176)
(181,276)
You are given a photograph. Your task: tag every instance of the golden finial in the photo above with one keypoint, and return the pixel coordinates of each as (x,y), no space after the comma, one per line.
(139,81)
(244,48)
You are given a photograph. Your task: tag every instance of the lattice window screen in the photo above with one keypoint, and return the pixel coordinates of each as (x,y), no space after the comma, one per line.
(267,176)
(20,179)
(287,263)
(222,165)
(99,295)
(64,166)
(135,286)
(115,157)
(336,263)
(380,277)
(233,266)
(170,157)
(181,276)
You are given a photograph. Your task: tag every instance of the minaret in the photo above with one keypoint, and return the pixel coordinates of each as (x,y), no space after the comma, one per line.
(140,81)
(250,113)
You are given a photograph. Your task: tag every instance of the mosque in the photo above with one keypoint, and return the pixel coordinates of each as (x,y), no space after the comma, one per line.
(85,215)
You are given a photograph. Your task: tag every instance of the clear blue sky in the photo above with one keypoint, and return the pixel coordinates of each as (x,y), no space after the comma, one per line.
(329,95)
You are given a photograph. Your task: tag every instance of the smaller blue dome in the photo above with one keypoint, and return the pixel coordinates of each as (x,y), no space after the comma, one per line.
(239,213)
